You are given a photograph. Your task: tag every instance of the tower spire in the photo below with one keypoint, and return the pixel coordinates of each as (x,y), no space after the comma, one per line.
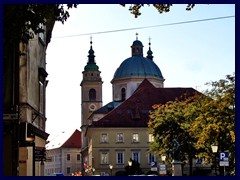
(150,56)
(91,64)
(91,56)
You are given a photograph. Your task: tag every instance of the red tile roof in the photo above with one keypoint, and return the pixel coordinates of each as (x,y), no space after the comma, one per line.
(134,111)
(74,141)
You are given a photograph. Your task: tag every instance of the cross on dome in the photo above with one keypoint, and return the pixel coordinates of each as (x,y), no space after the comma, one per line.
(149,42)
(91,39)
(136,36)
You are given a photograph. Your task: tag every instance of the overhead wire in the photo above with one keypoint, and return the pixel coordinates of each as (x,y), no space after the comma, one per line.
(145,27)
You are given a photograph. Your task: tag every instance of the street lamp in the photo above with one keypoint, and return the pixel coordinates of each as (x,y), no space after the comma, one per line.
(130,166)
(130,163)
(215,150)
(111,167)
(163,157)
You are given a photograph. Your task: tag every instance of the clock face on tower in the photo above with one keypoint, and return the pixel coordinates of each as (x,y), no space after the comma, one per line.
(92,107)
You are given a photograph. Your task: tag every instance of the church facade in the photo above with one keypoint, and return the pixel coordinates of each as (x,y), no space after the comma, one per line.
(117,132)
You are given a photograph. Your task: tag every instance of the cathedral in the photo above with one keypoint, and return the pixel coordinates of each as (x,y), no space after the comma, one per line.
(117,132)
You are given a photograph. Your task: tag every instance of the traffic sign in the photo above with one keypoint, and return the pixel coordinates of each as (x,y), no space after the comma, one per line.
(162,169)
(154,166)
(223,159)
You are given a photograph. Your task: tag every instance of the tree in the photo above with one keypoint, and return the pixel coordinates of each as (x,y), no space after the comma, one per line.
(170,128)
(216,122)
(197,122)
(21,21)
(135,8)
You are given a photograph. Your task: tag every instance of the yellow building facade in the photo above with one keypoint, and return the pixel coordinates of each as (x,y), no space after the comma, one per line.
(116,146)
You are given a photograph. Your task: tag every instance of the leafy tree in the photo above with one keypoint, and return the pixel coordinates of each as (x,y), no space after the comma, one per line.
(135,8)
(21,21)
(170,128)
(196,123)
(216,122)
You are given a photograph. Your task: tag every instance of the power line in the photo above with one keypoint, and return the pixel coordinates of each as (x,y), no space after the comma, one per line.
(145,27)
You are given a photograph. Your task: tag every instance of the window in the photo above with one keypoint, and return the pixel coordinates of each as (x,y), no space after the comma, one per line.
(150,138)
(123,94)
(120,158)
(151,158)
(68,157)
(104,138)
(136,156)
(68,170)
(104,157)
(135,137)
(78,157)
(119,138)
(92,95)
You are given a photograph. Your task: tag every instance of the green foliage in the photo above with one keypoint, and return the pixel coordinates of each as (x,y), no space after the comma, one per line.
(197,122)
(21,21)
(161,8)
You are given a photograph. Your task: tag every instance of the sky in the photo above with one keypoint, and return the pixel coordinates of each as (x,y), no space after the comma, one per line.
(188,54)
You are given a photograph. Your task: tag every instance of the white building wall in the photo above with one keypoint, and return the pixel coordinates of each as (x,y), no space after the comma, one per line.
(131,84)
(59,162)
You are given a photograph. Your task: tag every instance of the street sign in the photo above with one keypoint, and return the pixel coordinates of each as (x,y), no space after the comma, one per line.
(154,166)
(162,169)
(223,159)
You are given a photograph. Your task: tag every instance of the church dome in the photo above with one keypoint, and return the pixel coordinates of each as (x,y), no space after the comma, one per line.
(133,70)
(138,66)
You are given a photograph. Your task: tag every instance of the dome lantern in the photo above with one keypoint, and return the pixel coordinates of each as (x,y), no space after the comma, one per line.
(137,47)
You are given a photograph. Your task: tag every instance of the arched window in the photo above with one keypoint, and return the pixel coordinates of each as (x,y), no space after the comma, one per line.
(123,94)
(92,95)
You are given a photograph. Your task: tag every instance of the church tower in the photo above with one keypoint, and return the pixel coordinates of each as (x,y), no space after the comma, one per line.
(91,91)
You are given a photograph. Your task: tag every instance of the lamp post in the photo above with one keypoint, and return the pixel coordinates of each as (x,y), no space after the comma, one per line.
(163,168)
(130,166)
(111,167)
(163,157)
(215,150)
(130,163)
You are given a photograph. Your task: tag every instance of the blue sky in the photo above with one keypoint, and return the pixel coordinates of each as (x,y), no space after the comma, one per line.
(188,55)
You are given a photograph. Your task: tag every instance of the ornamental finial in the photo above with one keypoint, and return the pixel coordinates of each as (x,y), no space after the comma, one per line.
(91,39)
(136,36)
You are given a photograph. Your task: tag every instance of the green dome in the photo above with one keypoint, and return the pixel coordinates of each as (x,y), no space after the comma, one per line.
(138,66)
(91,67)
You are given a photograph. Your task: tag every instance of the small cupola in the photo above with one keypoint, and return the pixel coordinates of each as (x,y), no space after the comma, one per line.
(149,53)
(137,47)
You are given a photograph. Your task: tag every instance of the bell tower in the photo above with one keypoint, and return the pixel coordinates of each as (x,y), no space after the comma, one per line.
(91,91)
